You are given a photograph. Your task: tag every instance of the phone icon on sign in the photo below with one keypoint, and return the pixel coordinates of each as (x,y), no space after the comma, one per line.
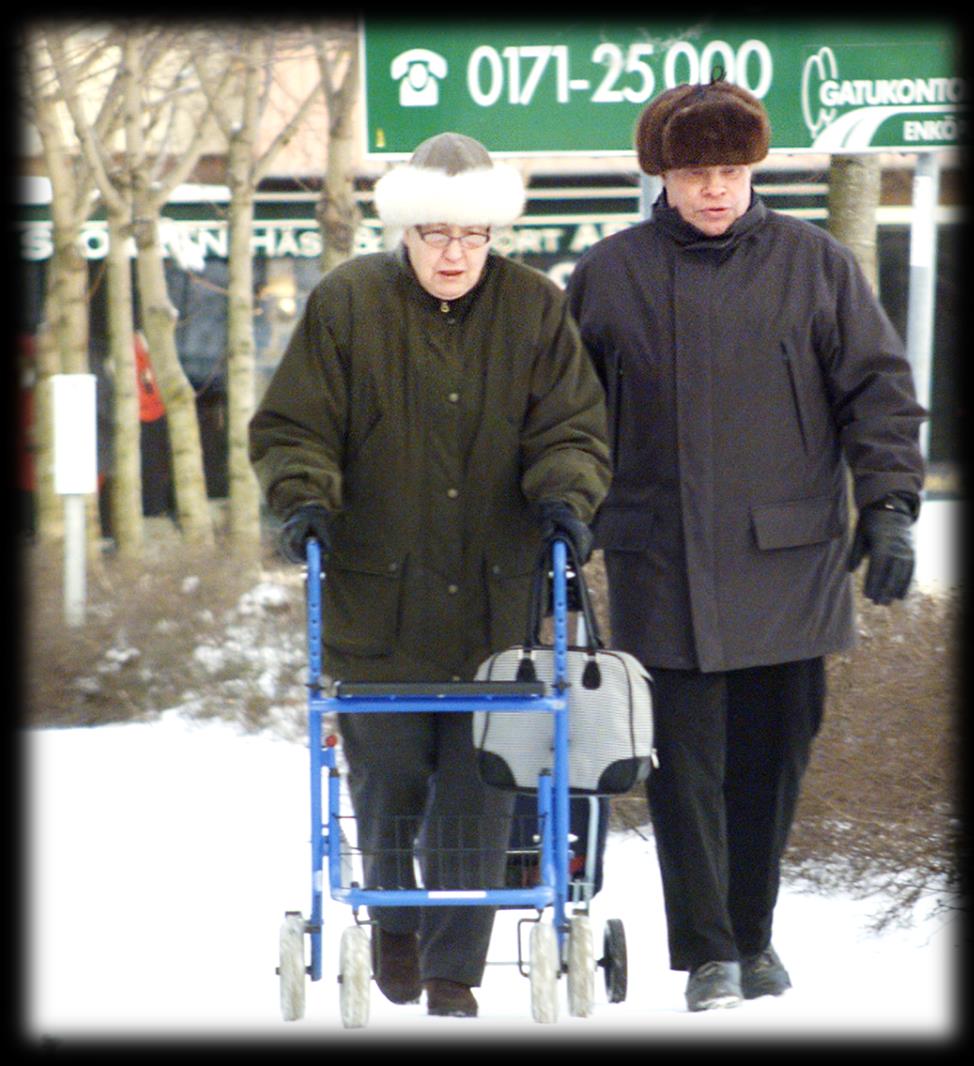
(418,71)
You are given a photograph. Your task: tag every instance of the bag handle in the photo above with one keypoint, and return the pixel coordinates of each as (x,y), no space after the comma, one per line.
(539,598)
(592,673)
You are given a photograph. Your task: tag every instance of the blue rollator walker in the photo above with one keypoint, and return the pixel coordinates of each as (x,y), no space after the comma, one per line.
(560,946)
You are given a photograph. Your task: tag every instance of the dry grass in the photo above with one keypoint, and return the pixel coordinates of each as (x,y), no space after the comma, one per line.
(197,629)
(880,809)
(880,806)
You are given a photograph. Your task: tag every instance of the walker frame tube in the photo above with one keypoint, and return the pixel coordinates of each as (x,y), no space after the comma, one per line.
(553,789)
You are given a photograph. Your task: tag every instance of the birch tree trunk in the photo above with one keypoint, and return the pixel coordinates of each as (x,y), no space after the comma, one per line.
(70,321)
(238,114)
(854,188)
(94,133)
(159,322)
(70,329)
(63,341)
(243,487)
(126,490)
(338,214)
(158,314)
(241,372)
(48,512)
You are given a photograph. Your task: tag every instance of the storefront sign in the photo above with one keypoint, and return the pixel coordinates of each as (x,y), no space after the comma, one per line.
(548,88)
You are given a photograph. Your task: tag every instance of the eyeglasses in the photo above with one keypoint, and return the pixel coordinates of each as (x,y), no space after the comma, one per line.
(441,238)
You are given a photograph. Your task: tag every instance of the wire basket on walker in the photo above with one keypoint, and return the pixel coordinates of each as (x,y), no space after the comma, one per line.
(560,944)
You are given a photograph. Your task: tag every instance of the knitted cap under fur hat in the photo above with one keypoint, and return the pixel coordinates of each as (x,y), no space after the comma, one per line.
(702,125)
(450,178)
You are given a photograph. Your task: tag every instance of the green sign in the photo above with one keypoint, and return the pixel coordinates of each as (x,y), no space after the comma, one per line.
(533,88)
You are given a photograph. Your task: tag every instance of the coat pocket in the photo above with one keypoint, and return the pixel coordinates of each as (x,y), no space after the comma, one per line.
(625,529)
(794,523)
(509,579)
(360,604)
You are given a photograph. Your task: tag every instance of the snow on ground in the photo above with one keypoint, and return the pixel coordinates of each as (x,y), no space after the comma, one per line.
(161,858)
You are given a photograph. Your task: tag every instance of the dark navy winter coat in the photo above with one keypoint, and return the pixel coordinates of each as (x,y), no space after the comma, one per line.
(746,375)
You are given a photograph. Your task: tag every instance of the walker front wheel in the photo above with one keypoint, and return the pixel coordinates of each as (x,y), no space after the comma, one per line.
(292,969)
(354,976)
(545,966)
(581,967)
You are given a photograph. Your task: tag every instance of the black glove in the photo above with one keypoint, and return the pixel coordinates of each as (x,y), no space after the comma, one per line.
(884,533)
(557,519)
(309,520)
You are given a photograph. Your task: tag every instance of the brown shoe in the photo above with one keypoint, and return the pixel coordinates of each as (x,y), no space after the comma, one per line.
(395,961)
(449,999)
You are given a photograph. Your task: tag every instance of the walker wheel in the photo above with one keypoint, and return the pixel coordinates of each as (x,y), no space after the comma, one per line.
(581,967)
(354,976)
(292,969)
(545,966)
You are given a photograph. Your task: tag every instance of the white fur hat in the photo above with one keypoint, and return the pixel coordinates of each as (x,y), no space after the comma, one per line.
(450,178)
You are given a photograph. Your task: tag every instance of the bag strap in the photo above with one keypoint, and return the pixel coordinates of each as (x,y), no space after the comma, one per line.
(539,598)
(592,631)
(591,674)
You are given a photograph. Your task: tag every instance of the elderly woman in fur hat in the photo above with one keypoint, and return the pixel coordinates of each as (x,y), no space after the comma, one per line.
(433,420)
(749,368)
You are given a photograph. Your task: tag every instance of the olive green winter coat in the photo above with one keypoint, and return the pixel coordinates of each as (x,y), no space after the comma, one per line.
(428,429)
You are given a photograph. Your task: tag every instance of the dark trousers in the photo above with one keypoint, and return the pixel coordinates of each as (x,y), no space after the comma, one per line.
(732,750)
(417,795)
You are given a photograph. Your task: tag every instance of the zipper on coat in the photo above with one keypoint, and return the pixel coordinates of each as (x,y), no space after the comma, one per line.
(617,409)
(795,394)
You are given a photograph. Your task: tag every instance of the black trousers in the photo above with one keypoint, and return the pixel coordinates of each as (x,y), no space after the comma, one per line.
(418,800)
(732,749)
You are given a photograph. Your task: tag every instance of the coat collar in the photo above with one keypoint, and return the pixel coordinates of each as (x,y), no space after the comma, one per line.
(688,236)
(417,292)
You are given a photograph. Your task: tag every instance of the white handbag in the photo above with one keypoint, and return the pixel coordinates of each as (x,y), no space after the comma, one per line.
(610,715)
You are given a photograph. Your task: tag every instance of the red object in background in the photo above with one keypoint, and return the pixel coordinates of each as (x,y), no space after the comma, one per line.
(151,407)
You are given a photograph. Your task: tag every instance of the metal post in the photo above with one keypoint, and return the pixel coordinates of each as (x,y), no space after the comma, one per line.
(650,187)
(75,563)
(923,279)
(75,477)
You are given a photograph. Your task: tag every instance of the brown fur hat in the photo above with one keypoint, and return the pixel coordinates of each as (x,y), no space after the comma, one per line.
(702,125)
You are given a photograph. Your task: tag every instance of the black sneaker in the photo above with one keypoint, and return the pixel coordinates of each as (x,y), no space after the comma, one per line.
(763,975)
(714,984)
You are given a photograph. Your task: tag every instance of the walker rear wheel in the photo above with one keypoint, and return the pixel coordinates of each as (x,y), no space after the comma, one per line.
(615,961)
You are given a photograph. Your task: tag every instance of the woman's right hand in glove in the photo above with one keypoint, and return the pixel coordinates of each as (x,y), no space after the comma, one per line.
(309,520)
